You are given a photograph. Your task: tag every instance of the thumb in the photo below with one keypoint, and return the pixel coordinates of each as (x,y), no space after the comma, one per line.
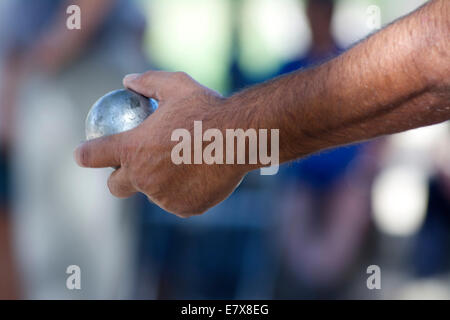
(101,152)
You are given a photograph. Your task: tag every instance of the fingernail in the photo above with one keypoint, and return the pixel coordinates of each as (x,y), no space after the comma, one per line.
(130,77)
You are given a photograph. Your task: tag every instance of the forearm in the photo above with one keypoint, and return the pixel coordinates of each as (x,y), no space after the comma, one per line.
(396,80)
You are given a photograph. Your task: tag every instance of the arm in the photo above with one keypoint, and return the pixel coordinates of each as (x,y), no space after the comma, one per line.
(396,80)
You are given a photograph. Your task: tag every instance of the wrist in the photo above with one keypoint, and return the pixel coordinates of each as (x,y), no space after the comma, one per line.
(249,143)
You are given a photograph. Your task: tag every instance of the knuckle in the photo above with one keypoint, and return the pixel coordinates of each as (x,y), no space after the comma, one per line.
(117,189)
(112,186)
(143,80)
(125,156)
(181,76)
(141,183)
(126,151)
(181,208)
(187,212)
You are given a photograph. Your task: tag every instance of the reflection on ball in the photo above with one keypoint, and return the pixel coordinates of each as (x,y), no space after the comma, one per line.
(118,111)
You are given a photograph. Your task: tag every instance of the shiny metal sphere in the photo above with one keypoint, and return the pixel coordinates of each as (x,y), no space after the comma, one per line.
(118,111)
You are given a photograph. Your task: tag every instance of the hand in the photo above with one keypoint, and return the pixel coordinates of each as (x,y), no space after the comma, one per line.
(144,153)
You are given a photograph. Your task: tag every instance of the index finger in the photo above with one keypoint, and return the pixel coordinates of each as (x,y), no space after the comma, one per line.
(100,153)
(152,84)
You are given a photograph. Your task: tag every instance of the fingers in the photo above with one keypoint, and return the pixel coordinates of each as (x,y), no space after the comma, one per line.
(150,84)
(100,153)
(119,184)
(157,84)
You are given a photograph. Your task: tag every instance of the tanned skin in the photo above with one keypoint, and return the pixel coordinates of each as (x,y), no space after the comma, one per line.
(396,80)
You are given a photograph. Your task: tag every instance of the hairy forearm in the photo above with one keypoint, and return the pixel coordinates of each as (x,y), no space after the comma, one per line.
(398,79)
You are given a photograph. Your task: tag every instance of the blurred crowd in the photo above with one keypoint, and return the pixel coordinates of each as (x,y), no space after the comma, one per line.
(311,231)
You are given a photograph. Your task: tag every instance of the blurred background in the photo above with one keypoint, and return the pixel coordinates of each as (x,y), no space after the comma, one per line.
(309,232)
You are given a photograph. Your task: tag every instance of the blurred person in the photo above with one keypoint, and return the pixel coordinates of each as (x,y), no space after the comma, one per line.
(432,242)
(182,262)
(325,203)
(323,46)
(52,76)
(9,286)
(325,219)
(397,79)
